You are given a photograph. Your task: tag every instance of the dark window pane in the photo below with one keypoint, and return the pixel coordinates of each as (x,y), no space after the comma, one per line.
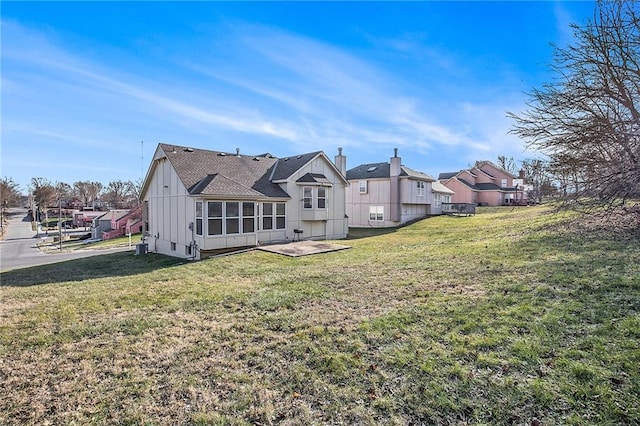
(233,210)
(280,223)
(248,209)
(233,226)
(280,209)
(248,225)
(214,209)
(214,227)
(267,223)
(267,209)
(198,208)
(199,226)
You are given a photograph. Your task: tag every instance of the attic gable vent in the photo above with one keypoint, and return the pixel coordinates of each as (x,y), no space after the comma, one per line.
(372,168)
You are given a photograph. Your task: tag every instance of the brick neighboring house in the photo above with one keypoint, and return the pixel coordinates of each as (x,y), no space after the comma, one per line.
(485,184)
(387,194)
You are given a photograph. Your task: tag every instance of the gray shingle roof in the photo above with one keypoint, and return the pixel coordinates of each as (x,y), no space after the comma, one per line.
(447,175)
(484,186)
(287,166)
(381,171)
(214,173)
(313,178)
(369,171)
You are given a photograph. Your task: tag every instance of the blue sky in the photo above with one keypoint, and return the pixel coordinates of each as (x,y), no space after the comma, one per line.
(90,88)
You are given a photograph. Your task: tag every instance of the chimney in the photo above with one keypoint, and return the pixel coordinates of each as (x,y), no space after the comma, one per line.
(395,165)
(237,152)
(341,162)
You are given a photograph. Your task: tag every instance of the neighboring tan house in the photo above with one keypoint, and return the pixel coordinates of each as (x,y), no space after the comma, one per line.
(387,194)
(197,201)
(441,194)
(485,184)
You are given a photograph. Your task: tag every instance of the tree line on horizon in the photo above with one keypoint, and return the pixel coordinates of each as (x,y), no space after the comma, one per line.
(44,194)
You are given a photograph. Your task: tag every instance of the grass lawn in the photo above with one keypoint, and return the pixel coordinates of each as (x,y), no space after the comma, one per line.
(500,318)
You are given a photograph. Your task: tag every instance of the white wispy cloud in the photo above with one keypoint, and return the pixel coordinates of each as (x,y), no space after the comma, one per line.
(267,86)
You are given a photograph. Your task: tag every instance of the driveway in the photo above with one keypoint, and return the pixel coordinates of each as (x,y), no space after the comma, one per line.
(18,248)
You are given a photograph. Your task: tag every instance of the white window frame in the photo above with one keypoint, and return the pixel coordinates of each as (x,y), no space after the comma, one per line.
(376,213)
(282,215)
(503,183)
(220,218)
(307,201)
(362,187)
(228,218)
(324,198)
(245,218)
(199,219)
(264,216)
(420,185)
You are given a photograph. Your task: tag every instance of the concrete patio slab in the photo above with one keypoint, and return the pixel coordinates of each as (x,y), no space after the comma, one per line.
(303,248)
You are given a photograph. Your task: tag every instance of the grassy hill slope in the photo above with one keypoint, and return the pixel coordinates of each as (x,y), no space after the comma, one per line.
(506,317)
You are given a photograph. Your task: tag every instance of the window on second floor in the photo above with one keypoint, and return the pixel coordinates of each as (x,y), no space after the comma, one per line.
(503,183)
(362,187)
(420,185)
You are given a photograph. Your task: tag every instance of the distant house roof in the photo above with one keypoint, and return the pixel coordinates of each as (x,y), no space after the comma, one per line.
(438,187)
(485,186)
(480,164)
(382,171)
(447,175)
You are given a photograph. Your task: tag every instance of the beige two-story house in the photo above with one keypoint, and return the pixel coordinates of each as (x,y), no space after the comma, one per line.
(387,194)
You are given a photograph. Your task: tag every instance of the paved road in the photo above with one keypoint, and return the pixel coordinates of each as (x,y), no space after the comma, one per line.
(18,249)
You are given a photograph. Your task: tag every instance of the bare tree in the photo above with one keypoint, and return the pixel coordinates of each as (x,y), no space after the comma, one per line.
(9,197)
(538,174)
(588,120)
(87,191)
(9,192)
(117,191)
(44,193)
(507,163)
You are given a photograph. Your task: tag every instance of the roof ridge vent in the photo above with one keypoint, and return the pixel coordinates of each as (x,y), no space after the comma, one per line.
(188,150)
(221,154)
